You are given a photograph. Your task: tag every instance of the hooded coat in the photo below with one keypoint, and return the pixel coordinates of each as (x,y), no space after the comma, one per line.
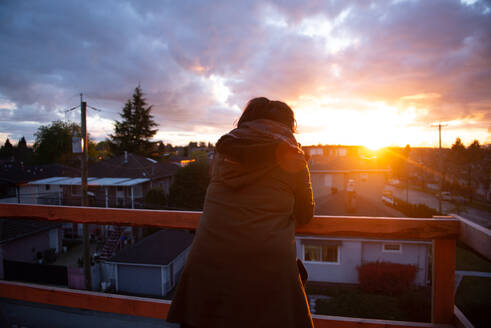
(241,270)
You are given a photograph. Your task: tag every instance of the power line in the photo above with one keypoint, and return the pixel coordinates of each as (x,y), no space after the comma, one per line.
(94,108)
(70,109)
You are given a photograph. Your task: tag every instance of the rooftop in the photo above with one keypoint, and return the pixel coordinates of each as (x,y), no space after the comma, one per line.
(131,166)
(160,248)
(12,229)
(91,181)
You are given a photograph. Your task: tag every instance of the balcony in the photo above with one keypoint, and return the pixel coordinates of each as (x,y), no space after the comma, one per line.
(441,231)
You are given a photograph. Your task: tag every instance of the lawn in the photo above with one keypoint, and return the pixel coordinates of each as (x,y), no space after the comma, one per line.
(351,301)
(474,300)
(468,260)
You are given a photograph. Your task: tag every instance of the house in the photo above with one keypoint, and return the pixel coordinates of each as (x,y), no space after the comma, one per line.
(150,267)
(15,187)
(27,241)
(348,180)
(335,260)
(121,181)
(333,168)
(180,160)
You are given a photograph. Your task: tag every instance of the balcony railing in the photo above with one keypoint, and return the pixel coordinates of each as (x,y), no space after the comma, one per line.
(442,231)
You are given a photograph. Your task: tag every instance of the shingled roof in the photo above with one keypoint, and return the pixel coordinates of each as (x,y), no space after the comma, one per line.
(17,173)
(131,166)
(12,229)
(159,248)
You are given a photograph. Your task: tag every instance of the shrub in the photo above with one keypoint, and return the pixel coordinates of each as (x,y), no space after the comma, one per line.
(189,187)
(155,199)
(386,277)
(414,210)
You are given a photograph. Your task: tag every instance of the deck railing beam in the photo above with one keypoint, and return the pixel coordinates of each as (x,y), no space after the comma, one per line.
(321,225)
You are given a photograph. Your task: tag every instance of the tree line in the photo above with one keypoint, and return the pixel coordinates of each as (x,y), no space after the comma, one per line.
(133,132)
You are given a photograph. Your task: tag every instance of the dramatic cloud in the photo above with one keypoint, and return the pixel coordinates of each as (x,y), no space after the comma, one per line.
(382,69)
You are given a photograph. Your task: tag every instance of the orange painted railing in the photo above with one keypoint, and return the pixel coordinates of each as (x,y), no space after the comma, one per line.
(443,231)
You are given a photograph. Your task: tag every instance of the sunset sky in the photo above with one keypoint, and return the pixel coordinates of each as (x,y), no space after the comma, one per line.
(373,73)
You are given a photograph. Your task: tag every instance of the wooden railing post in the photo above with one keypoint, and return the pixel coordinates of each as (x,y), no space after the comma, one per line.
(443,281)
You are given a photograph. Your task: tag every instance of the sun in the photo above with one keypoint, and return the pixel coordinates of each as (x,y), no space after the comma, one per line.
(375,145)
(374,125)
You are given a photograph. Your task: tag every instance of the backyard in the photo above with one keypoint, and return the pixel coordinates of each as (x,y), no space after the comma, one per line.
(352,301)
(473,296)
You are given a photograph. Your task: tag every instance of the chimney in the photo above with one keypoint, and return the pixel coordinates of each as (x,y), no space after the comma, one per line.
(125,157)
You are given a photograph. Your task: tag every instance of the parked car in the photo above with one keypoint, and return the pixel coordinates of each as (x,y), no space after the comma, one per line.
(387,197)
(446,195)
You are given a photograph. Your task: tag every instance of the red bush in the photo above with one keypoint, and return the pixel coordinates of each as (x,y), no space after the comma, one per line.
(386,277)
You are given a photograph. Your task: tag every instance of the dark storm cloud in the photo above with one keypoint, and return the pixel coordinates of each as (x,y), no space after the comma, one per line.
(52,50)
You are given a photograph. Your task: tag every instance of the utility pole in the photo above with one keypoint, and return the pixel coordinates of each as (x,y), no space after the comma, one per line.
(440,125)
(83,126)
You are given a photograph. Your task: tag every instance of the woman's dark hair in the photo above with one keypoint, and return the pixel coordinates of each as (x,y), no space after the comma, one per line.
(263,108)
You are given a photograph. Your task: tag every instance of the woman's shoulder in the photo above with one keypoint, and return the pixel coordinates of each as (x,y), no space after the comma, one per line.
(290,160)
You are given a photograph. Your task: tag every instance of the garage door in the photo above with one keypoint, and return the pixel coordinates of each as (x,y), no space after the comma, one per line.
(139,280)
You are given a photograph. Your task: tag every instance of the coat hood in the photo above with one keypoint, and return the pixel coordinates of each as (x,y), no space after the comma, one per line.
(247,153)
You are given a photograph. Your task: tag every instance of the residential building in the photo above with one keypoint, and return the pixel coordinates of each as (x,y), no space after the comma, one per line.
(121,181)
(15,187)
(335,260)
(150,267)
(30,241)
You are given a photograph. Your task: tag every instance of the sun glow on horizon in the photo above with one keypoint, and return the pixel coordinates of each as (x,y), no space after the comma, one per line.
(376,124)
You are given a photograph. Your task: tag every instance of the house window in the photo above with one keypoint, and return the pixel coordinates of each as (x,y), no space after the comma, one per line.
(341,152)
(316,151)
(392,248)
(46,187)
(328,180)
(321,253)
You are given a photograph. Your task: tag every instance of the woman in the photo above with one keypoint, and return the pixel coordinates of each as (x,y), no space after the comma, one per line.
(241,270)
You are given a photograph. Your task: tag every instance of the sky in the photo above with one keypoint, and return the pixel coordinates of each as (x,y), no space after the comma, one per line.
(372,73)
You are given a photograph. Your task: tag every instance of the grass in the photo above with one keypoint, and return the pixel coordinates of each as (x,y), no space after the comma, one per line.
(473,298)
(351,301)
(468,260)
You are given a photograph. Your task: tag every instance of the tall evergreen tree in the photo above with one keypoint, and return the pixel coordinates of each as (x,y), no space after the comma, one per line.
(23,153)
(7,149)
(22,144)
(136,128)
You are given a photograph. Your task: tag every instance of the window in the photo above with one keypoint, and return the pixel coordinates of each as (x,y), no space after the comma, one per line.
(363,177)
(316,151)
(341,152)
(392,248)
(328,180)
(321,253)
(46,187)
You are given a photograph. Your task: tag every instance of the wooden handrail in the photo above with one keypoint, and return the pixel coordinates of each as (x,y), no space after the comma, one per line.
(442,230)
(321,225)
(157,308)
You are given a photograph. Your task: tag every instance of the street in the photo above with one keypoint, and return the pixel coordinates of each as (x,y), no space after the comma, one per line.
(420,197)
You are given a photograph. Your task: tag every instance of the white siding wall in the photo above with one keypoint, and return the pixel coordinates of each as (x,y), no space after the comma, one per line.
(54,240)
(344,272)
(108,272)
(355,252)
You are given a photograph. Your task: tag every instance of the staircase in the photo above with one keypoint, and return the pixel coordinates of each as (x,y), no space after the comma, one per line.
(113,242)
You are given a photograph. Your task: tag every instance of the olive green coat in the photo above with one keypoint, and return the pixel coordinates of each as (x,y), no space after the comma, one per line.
(241,270)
